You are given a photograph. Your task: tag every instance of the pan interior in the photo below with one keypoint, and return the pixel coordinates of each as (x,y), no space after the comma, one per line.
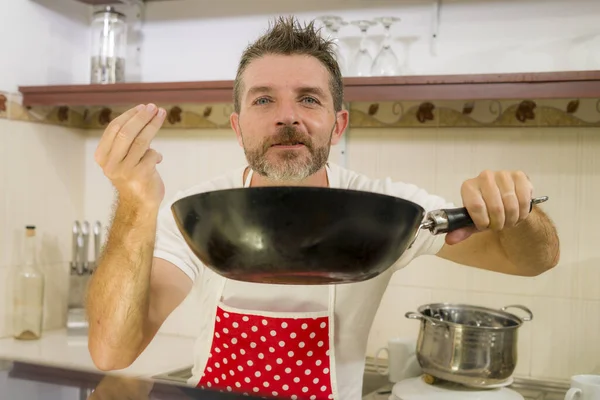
(297,235)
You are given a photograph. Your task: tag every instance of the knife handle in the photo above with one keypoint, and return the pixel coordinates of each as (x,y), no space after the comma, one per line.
(75,245)
(97,243)
(85,233)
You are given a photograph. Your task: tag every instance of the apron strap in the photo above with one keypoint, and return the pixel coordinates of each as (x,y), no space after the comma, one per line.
(248,178)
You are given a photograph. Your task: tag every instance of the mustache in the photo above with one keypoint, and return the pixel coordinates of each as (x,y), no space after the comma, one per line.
(288,135)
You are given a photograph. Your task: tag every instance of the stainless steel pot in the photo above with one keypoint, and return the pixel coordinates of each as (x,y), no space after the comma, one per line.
(471,345)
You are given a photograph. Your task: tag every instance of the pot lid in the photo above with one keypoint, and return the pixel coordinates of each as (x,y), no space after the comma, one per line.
(417,389)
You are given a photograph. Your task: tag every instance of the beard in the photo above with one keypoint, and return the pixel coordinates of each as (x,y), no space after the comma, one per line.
(288,165)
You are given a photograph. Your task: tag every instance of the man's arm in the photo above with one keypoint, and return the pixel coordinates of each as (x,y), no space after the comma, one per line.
(506,237)
(528,249)
(130,294)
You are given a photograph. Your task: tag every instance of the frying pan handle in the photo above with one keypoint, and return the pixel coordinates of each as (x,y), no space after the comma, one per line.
(451,219)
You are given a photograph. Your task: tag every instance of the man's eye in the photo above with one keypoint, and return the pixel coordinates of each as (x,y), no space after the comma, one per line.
(262,100)
(310,100)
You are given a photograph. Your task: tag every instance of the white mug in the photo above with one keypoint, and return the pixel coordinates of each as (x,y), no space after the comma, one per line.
(402,360)
(584,387)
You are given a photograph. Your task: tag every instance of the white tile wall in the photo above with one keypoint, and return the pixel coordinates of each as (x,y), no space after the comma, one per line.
(41,182)
(562,338)
(475,36)
(560,341)
(559,161)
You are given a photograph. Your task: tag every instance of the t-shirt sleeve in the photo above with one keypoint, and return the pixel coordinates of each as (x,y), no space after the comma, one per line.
(170,244)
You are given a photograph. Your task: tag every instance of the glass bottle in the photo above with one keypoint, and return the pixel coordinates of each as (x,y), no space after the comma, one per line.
(109,46)
(28,297)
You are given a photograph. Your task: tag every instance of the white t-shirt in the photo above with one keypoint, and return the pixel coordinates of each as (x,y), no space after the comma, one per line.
(355,304)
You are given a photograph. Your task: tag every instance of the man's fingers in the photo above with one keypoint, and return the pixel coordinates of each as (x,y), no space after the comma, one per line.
(110,133)
(141,143)
(475,204)
(149,160)
(459,235)
(129,132)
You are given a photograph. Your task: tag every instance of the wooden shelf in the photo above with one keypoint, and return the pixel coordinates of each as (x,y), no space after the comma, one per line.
(547,85)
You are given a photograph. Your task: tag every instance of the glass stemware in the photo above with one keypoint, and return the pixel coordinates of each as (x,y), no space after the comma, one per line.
(332,25)
(386,62)
(364,60)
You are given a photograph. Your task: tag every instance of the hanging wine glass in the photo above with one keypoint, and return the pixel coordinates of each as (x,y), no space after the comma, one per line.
(364,60)
(386,62)
(332,25)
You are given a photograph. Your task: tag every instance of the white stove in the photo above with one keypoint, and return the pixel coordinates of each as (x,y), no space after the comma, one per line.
(418,389)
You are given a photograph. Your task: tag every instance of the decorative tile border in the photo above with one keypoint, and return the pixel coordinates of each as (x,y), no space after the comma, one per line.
(493,113)
(405,114)
(187,116)
(3,105)
(63,116)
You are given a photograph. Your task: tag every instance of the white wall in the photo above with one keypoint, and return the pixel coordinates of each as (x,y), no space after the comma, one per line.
(202,40)
(44,42)
(190,40)
(41,166)
(561,165)
(41,182)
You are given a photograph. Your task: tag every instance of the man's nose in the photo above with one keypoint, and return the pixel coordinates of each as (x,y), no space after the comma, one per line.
(287,114)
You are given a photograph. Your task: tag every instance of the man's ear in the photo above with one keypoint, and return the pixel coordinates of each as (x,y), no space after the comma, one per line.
(234,120)
(341,123)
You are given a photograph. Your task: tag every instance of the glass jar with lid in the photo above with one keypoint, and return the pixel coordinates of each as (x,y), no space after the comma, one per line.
(109,46)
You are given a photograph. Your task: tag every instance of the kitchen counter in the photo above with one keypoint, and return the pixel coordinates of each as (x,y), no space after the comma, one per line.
(57,349)
(168,353)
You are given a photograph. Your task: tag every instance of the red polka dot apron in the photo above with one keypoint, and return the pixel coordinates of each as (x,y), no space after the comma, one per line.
(272,354)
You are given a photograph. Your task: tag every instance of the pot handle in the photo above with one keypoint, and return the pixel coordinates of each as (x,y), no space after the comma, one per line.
(413,315)
(451,219)
(523,308)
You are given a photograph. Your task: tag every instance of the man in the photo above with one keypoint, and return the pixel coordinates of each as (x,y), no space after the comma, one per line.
(305,342)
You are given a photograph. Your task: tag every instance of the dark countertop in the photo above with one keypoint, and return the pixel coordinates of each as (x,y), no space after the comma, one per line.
(31,381)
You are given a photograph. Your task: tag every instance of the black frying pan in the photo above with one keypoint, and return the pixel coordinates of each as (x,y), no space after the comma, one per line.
(305,235)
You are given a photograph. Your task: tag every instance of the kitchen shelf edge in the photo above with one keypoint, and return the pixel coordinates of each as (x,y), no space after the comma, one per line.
(543,85)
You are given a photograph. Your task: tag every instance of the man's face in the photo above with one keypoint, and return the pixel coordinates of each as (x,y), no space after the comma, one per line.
(287,120)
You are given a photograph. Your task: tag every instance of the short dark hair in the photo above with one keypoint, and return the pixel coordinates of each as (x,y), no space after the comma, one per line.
(286,37)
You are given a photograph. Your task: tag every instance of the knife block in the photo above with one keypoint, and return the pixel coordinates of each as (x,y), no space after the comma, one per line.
(77,290)
(77,323)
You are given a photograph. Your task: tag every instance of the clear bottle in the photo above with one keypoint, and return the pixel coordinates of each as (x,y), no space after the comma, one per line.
(28,297)
(109,46)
